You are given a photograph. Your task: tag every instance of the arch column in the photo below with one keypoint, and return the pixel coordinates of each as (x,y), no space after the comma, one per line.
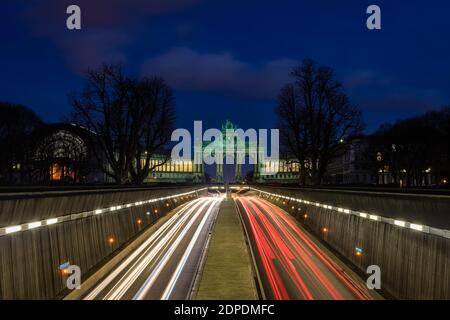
(219,172)
(238,172)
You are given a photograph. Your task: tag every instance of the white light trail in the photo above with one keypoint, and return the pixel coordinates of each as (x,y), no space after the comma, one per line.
(173,280)
(143,249)
(155,273)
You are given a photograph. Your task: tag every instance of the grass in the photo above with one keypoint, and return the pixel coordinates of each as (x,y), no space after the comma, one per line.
(227,271)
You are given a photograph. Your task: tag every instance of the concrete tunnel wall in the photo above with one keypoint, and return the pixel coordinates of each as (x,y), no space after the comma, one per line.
(30,260)
(414,264)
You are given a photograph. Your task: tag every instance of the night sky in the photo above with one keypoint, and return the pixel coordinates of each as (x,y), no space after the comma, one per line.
(228,59)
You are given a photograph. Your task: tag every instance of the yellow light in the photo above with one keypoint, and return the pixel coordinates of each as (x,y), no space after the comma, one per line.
(167,204)
(139,221)
(156,210)
(358,253)
(324,229)
(111,240)
(293,207)
(305,215)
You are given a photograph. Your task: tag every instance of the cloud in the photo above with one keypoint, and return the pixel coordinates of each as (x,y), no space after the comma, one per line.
(187,69)
(105,26)
(360,78)
(91,50)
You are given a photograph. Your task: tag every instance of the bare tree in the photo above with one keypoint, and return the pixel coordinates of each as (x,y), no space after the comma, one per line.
(413,149)
(155,100)
(315,116)
(16,124)
(122,114)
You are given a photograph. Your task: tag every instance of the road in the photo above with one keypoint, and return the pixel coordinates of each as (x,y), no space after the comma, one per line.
(164,265)
(291,264)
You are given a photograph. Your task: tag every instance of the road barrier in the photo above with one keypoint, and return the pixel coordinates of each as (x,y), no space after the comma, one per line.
(413,256)
(40,231)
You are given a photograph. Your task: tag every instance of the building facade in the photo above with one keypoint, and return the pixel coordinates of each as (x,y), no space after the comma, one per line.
(351,166)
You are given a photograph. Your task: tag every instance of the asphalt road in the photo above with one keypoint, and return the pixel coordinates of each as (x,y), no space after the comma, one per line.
(164,265)
(291,263)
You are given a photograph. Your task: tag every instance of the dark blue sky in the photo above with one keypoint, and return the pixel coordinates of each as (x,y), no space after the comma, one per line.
(227,60)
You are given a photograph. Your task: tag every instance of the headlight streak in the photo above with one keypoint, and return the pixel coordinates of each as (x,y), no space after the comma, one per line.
(142,249)
(181,264)
(155,272)
(156,252)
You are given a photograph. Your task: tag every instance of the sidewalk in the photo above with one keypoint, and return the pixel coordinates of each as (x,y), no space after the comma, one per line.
(227,271)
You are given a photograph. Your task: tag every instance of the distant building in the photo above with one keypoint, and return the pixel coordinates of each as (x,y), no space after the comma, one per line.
(281,171)
(351,166)
(174,171)
(62,153)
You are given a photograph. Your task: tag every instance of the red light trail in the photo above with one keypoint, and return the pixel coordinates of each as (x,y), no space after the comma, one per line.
(293,265)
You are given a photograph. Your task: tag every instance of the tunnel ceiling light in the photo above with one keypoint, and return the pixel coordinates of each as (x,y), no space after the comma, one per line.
(36,224)
(33,225)
(13,229)
(400,223)
(52,221)
(417,227)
